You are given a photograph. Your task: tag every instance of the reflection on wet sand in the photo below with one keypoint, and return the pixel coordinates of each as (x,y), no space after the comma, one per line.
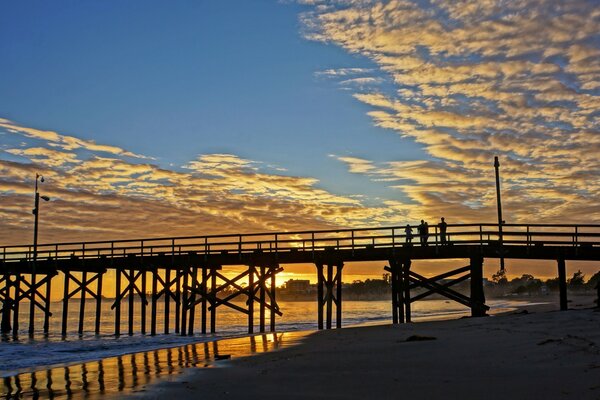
(132,372)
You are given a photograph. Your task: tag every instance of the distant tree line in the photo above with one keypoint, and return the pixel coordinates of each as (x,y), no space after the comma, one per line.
(528,284)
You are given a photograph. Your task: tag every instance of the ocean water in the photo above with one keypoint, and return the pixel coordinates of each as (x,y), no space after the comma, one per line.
(90,365)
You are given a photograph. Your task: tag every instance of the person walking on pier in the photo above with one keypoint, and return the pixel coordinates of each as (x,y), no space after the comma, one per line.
(443,226)
(423,230)
(409,235)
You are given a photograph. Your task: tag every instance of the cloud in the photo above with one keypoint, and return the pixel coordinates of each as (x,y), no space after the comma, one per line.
(342,72)
(99,195)
(470,79)
(65,142)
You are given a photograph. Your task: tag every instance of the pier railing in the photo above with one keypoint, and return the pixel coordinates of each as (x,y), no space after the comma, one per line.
(313,241)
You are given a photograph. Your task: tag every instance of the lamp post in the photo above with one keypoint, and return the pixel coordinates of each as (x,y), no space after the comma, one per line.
(36,212)
(499,204)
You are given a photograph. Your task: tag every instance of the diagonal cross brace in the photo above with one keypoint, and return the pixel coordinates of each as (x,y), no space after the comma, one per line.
(445,275)
(132,279)
(451,294)
(166,288)
(26,294)
(445,285)
(81,286)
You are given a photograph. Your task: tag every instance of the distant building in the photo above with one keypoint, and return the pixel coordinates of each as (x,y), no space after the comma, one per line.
(298,286)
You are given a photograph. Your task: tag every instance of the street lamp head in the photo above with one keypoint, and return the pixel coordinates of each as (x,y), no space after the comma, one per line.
(42,179)
(45,198)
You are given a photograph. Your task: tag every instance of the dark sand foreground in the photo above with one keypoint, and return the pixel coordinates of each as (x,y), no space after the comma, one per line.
(546,355)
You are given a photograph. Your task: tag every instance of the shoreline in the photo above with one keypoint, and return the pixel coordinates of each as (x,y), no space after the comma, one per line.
(240,347)
(174,340)
(537,354)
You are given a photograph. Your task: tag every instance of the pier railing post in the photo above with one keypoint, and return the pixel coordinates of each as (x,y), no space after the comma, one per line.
(562,284)
(477,294)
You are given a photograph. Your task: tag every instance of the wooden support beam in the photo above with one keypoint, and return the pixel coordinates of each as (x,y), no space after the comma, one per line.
(406,281)
(329,296)
(562,284)
(82,290)
(262,299)
(338,306)
(65,310)
(154,300)
(213,297)
(98,303)
(16,301)
(203,306)
(131,314)
(251,272)
(444,275)
(167,308)
(184,308)
(5,325)
(274,302)
(395,270)
(192,309)
(320,282)
(32,302)
(394,284)
(143,303)
(445,285)
(47,312)
(177,300)
(420,280)
(478,307)
(117,305)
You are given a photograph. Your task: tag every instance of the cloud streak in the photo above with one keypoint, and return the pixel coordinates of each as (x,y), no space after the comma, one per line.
(99,194)
(471,79)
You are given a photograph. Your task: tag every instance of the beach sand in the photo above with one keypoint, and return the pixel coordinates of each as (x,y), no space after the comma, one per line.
(540,355)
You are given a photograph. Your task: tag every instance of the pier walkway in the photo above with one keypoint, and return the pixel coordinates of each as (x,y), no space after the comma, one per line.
(189,273)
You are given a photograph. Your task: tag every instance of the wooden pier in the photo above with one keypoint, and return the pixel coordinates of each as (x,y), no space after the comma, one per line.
(189,274)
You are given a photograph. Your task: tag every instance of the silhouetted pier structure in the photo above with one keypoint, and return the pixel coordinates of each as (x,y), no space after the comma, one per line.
(189,274)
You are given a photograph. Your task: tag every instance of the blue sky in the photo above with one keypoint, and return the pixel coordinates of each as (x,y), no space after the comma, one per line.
(172,80)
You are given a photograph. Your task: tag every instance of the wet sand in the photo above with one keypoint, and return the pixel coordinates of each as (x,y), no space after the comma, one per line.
(114,377)
(540,355)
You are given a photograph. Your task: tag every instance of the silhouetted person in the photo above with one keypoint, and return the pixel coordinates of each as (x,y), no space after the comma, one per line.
(426,233)
(421,230)
(409,235)
(443,226)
